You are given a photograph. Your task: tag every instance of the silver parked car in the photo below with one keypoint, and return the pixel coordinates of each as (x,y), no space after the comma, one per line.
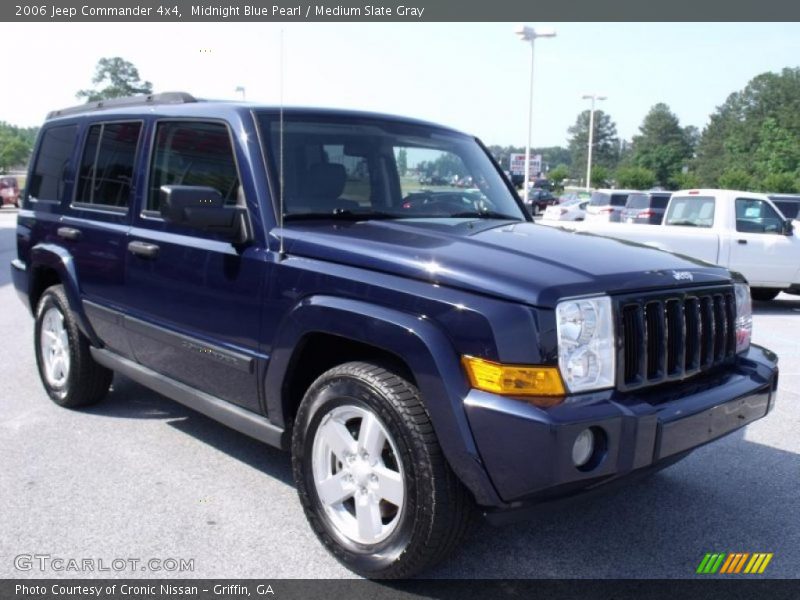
(569,210)
(607,205)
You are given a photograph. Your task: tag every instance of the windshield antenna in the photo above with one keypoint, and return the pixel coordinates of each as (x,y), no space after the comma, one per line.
(280,157)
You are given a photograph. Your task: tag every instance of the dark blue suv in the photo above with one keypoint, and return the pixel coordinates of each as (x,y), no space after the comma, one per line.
(421,351)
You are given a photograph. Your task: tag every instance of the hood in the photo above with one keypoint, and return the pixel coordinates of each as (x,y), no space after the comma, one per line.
(523,262)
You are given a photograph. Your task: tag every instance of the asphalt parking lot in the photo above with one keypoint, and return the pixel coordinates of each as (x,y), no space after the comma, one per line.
(139,476)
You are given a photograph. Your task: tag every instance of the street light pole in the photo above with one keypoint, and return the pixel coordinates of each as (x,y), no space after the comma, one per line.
(240,90)
(591,97)
(529,34)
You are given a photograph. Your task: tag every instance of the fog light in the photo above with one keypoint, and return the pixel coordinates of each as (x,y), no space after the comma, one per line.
(583,448)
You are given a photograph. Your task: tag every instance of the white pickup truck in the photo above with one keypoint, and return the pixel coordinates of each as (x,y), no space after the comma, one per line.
(742,231)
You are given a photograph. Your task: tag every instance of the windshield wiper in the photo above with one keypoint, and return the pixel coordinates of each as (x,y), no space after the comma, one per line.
(342,214)
(483,214)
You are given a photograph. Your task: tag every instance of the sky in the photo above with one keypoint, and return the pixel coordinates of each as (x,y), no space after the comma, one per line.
(471,76)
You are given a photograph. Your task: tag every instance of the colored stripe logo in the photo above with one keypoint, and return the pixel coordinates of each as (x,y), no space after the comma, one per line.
(732,563)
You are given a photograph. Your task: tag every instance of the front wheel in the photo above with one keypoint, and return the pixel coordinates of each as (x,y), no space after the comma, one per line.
(371,476)
(764,294)
(68,372)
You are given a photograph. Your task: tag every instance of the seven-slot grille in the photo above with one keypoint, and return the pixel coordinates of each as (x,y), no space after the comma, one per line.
(669,337)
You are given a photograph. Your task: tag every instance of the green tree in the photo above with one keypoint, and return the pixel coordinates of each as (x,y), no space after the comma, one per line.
(558,174)
(685,181)
(780,183)
(736,179)
(637,178)
(13,151)
(117,77)
(402,162)
(600,176)
(605,143)
(766,111)
(662,146)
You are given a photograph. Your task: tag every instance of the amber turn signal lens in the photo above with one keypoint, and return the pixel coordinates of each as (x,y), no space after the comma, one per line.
(515,380)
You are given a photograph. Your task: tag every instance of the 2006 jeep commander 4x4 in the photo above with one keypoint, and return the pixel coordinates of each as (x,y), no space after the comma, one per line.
(421,350)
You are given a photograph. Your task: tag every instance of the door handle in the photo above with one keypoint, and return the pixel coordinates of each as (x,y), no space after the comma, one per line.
(143,249)
(742,241)
(68,233)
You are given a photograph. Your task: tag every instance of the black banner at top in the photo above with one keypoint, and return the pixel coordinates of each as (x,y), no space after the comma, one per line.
(397,10)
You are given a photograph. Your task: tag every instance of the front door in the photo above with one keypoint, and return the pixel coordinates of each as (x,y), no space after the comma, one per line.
(193,297)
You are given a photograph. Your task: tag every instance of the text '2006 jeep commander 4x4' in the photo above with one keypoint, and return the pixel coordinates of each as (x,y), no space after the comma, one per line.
(421,350)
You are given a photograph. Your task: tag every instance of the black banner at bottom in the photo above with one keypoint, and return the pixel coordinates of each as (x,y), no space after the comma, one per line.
(354,589)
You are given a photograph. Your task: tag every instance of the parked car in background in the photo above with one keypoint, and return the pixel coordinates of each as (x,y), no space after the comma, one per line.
(788,204)
(538,200)
(569,210)
(606,205)
(742,231)
(645,208)
(9,191)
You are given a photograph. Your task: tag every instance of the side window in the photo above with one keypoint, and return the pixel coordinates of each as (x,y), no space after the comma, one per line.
(756,216)
(193,153)
(106,168)
(47,178)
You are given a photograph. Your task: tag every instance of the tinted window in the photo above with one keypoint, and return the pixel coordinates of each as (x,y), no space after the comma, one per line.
(106,169)
(789,209)
(638,201)
(338,164)
(756,216)
(599,199)
(47,179)
(659,201)
(619,199)
(190,153)
(691,211)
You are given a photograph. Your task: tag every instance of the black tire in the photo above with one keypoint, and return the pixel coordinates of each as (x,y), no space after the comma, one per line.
(437,508)
(764,294)
(85,382)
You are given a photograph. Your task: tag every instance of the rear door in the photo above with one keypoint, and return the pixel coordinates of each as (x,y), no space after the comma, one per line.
(194,299)
(759,249)
(95,224)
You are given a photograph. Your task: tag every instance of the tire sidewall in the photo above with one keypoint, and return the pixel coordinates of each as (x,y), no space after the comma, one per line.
(323,397)
(51,299)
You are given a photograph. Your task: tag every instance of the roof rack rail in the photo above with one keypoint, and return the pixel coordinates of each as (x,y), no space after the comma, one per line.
(147,100)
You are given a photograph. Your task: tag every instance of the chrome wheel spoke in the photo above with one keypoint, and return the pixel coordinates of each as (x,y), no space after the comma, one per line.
(338,438)
(390,485)
(335,489)
(368,515)
(370,437)
(54,347)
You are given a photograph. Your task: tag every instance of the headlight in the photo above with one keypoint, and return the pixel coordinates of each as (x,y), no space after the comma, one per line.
(744,317)
(586,354)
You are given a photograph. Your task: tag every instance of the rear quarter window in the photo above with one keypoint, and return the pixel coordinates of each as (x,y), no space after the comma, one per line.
(52,162)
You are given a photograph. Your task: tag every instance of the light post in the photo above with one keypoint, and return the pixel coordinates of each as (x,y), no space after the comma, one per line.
(593,98)
(529,34)
(240,90)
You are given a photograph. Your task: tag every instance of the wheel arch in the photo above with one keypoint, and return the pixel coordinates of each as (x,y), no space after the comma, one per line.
(405,341)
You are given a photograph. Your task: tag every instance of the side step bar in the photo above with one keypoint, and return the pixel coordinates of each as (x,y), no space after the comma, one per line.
(235,417)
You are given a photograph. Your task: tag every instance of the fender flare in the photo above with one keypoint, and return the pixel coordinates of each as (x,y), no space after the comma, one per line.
(61,261)
(421,344)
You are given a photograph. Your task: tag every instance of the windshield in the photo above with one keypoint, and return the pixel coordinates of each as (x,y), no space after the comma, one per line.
(340,166)
(638,201)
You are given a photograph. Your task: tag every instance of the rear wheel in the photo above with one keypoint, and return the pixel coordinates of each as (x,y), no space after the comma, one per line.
(68,372)
(764,294)
(371,476)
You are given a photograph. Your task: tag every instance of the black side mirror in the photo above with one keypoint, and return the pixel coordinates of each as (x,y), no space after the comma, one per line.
(203,208)
(788,227)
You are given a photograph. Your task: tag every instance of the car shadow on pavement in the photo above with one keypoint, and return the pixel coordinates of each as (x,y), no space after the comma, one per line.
(129,400)
(730,496)
(7,248)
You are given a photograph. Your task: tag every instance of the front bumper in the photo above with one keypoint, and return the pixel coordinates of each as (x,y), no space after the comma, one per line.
(527,451)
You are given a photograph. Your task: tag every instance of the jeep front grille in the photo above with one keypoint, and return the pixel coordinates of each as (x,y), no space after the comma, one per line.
(669,337)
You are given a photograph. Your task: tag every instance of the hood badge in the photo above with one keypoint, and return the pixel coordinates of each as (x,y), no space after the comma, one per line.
(682,276)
